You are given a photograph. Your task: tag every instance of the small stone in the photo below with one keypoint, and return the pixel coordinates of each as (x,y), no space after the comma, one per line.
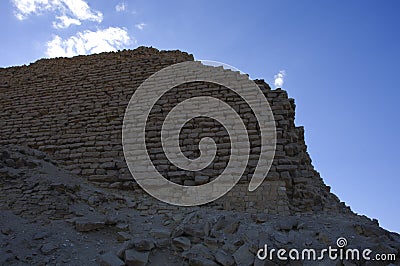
(221,222)
(323,238)
(160,233)
(238,242)
(201,262)
(32,164)
(189,182)
(108,165)
(224,258)
(84,225)
(4,155)
(266,262)
(211,243)
(261,218)
(163,242)
(109,259)
(372,231)
(177,217)
(122,227)
(40,235)
(348,263)
(10,163)
(121,251)
(144,244)
(19,163)
(193,230)
(93,200)
(232,228)
(111,220)
(178,231)
(281,238)
(182,242)
(287,224)
(6,231)
(198,250)
(123,236)
(243,256)
(136,258)
(48,248)
(200,180)
(130,203)
(207,228)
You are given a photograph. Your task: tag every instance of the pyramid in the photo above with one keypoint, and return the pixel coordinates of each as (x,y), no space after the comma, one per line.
(73,109)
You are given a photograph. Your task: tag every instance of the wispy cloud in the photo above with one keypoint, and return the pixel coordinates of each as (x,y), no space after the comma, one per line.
(67,12)
(88,42)
(64,22)
(141,26)
(279,78)
(121,7)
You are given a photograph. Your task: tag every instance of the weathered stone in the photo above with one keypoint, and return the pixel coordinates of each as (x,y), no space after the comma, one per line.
(261,218)
(136,258)
(160,233)
(10,162)
(287,224)
(198,250)
(143,244)
(122,227)
(232,228)
(243,256)
(85,225)
(109,259)
(48,248)
(6,231)
(201,262)
(20,163)
(281,238)
(194,230)
(123,236)
(221,223)
(40,235)
(224,258)
(199,180)
(108,165)
(265,262)
(182,242)
(121,250)
(4,155)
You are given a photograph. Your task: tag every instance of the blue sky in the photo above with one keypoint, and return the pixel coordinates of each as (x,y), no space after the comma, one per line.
(340,60)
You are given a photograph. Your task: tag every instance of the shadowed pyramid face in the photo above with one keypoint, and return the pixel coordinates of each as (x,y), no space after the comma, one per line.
(165,128)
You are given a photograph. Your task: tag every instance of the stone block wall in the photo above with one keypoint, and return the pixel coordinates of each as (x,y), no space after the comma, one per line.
(73,108)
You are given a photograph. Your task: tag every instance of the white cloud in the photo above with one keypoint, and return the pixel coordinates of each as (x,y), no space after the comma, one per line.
(26,7)
(81,10)
(68,12)
(88,42)
(141,26)
(65,22)
(121,7)
(279,79)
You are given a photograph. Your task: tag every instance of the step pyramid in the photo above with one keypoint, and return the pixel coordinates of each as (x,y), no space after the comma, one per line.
(73,109)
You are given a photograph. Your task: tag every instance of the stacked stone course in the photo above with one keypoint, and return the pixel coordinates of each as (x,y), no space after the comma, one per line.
(73,108)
